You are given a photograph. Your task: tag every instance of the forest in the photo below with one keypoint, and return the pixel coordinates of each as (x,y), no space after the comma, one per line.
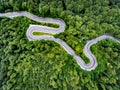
(45,65)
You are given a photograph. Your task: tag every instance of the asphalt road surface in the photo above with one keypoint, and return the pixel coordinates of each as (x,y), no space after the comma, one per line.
(38,28)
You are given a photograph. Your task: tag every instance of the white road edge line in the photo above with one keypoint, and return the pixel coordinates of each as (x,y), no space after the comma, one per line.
(38,28)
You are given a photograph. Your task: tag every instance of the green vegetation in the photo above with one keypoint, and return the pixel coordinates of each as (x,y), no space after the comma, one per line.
(41,33)
(45,65)
(49,24)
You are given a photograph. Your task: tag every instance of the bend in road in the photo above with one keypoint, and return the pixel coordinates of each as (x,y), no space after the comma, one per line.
(38,28)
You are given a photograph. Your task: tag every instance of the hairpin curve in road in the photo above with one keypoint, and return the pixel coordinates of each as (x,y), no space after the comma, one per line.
(38,28)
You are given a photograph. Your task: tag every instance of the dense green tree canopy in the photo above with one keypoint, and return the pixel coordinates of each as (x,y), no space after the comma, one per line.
(45,65)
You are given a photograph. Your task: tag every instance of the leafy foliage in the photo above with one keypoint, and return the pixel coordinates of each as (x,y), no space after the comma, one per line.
(45,65)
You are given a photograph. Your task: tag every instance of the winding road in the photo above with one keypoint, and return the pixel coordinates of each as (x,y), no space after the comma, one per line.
(38,28)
